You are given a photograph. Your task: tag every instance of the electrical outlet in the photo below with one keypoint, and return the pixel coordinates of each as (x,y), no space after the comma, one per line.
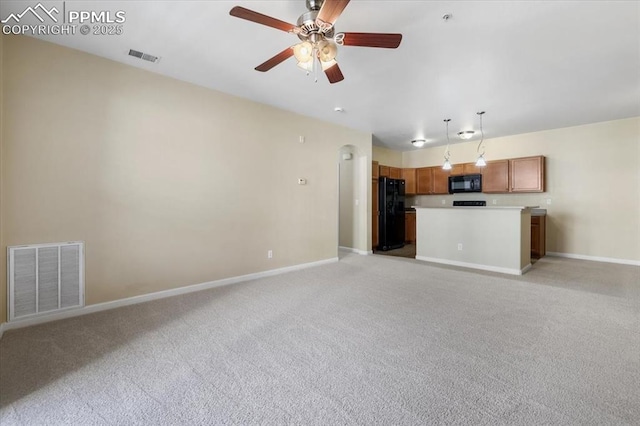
(460,246)
(548,201)
(444,202)
(269,254)
(357,202)
(495,202)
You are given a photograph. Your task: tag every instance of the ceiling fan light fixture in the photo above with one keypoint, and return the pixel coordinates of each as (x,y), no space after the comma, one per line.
(466,134)
(327,51)
(418,143)
(303,51)
(307,66)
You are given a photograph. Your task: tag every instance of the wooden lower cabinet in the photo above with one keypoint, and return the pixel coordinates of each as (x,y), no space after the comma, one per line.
(410,227)
(538,236)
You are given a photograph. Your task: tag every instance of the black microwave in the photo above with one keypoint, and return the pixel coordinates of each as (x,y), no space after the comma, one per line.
(465,183)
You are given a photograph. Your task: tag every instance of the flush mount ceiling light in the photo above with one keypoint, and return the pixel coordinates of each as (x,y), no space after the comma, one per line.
(319,41)
(418,143)
(447,154)
(481,161)
(466,134)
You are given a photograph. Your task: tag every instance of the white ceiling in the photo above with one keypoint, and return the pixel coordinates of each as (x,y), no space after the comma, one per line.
(531,65)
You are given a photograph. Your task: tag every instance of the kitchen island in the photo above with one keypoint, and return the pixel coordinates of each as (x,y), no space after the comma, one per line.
(496,238)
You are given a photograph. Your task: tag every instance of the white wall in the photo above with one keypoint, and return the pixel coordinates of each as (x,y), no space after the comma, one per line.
(593,184)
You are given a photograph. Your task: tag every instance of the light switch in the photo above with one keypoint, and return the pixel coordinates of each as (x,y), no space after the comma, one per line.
(302,181)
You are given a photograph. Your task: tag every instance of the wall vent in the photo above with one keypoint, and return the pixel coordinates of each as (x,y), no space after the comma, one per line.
(45,278)
(144,56)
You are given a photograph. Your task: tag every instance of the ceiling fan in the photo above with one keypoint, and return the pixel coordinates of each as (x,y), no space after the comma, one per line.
(319,40)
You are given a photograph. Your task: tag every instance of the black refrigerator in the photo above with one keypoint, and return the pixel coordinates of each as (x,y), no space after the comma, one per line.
(391,205)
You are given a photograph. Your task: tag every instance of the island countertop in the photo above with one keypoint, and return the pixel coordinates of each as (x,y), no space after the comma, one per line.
(478,207)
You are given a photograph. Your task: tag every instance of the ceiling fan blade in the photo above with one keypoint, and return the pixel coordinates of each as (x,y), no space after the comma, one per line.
(280,57)
(331,10)
(334,74)
(388,41)
(250,15)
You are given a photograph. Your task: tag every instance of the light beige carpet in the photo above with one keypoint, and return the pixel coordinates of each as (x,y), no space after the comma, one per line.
(369,340)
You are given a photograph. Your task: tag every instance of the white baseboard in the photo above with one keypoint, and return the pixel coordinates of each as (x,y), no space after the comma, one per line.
(357,251)
(509,271)
(594,258)
(155,296)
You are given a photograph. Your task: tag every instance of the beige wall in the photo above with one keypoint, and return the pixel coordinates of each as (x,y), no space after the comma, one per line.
(169,184)
(348,195)
(593,184)
(388,157)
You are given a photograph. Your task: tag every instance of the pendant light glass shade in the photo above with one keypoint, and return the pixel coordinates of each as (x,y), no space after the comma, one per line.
(446,165)
(480,162)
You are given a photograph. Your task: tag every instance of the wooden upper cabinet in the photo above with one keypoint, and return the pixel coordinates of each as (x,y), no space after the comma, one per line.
(471,169)
(384,171)
(409,176)
(424,180)
(495,176)
(375,172)
(526,174)
(395,172)
(464,169)
(457,169)
(440,181)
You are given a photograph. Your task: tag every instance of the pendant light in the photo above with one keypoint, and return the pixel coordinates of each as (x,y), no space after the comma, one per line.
(481,161)
(447,154)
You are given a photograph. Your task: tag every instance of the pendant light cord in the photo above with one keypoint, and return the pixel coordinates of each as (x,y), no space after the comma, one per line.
(481,134)
(447,154)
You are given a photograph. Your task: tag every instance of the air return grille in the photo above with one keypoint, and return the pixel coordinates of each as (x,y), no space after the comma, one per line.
(45,278)
(143,55)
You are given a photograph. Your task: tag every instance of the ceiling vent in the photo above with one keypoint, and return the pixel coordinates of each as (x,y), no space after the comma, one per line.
(144,56)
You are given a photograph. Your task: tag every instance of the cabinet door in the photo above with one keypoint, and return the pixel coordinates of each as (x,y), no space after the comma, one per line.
(375,172)
(410,227)
(409,176)
(471,169)
(457,169)
(440,181)
(395,172)
(538,236)
(526,174)
(384,171)
(495,176)
(535,237)
(374,213)
(424,180)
